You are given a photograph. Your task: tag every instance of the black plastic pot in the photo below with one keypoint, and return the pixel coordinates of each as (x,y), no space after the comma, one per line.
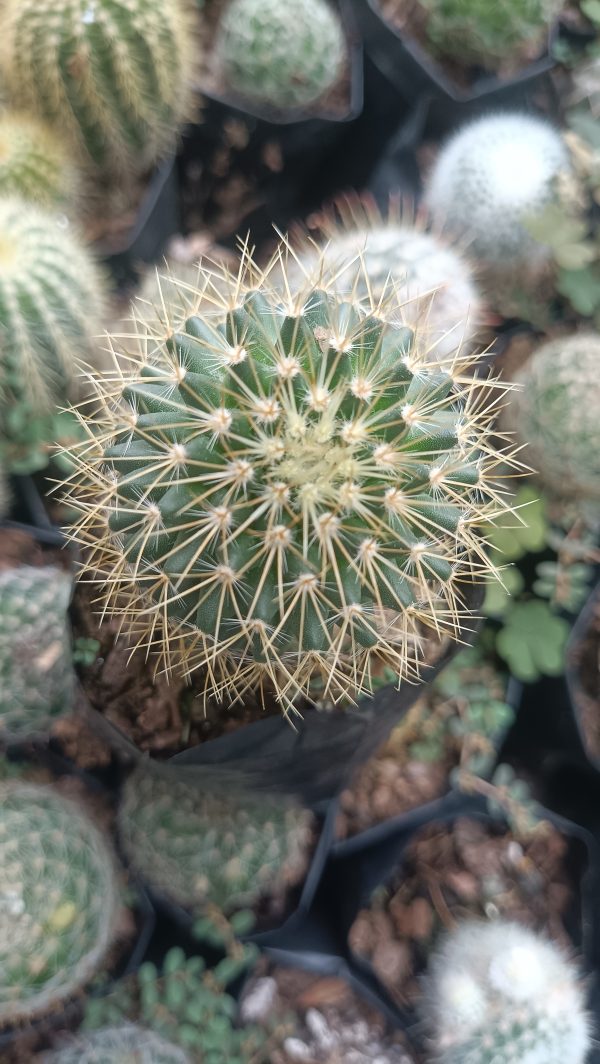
(28,513)
(582,653)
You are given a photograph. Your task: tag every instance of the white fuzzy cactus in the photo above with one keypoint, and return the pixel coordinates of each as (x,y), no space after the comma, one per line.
(490,178)
(500,994)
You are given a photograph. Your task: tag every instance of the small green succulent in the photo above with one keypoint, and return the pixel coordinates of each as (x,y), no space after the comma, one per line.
(479,33)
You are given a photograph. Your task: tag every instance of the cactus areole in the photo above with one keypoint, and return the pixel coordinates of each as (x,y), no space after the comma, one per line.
(285,486)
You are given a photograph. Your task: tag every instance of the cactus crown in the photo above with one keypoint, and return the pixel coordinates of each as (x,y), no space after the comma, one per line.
(490,178)
(127,1044)
(58,900)
(115,77)
(483,34)
(36,673)
(500,994)
(284,55)
(33,162)
(286,486)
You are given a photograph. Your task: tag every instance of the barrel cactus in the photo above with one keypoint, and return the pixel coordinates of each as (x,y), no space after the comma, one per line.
(114,77)
(286,487)
(500,994)
(491,177)
(555,412)
(127,1044)
(36,672)
(280,54)
(58,901)
(34,163)
(218,846)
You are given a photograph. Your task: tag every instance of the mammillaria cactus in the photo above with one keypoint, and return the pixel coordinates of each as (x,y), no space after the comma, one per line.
(36,672)
(214,846)
(58,901)
(490,178)
(285,56)
(286,488)
(115,77)
(499,994)
(34,163)
(127,1044)
(555,412)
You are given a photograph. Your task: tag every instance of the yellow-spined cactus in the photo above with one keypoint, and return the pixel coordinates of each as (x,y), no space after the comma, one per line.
(34,162)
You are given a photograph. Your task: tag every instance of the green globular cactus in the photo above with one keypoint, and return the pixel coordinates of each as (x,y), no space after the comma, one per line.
(216,847)
(286,487)
(58,901)
(554,410)
(34,163)
(126,1044)
(500,994)
(51,305)
(114,75)
(36,671)
(490,179)
(284,55)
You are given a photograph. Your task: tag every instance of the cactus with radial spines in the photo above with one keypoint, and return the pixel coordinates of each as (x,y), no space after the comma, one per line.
(51,305)
(493,176)
(116,78)
(36,670)
(500,994)
(216,846)
(554,410)
(126,1044)
(287,487)
(58,901)
(281,55)
(34,163)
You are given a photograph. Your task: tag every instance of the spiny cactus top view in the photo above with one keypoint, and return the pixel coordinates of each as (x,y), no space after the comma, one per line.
(285,55)
(114,76)
(127,1044)
(36,672)
(217,846)
(499,994)
(58,901)
(555,412)
(34,163)
(491,177)
(285,487)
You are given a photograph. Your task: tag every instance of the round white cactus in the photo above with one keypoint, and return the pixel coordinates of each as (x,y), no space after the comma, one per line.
(490,178)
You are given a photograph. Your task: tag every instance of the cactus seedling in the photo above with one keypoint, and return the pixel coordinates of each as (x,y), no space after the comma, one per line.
(490,178)
(33,162)
(286,487)
(499,994)
(127,1044)
(58,901)
(114,77)
(284,55)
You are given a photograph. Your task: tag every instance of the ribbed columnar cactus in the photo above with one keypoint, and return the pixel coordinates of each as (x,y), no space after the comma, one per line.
(284,55)
(34,163)
(286,486)
(36,671)
(490,178)
(500,994)
(555,412)
(127,1044)
(213,845)
(58,901)
(113,76)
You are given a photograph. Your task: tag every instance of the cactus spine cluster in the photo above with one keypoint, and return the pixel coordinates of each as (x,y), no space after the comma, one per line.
(500,994)
(33,162)
(480,34)
(285,487)
(280,54)
(555,412)
(58,901)
(217,846)
(127,1044)
(36,672)
(490,178)
(114,77)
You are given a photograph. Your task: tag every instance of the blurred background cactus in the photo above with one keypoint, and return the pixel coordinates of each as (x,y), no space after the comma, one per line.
(291,485)
(499,994)
(34,163)
(279,54)
(126,1044)
(58,901)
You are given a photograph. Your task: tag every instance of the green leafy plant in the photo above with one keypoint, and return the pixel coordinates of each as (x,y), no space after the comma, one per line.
(474,32)
(85,651)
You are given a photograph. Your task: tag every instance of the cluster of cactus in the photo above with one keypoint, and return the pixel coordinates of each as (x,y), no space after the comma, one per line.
(36,672)
(126,1044)
(477,33)
(555,412)
(58,901)
(214,846)
(281,55)
(115,78)
(491,177)
(34,163)
(287,487)
(500,994)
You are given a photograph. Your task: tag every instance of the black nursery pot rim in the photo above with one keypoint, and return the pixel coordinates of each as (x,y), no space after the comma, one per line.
(575,687)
